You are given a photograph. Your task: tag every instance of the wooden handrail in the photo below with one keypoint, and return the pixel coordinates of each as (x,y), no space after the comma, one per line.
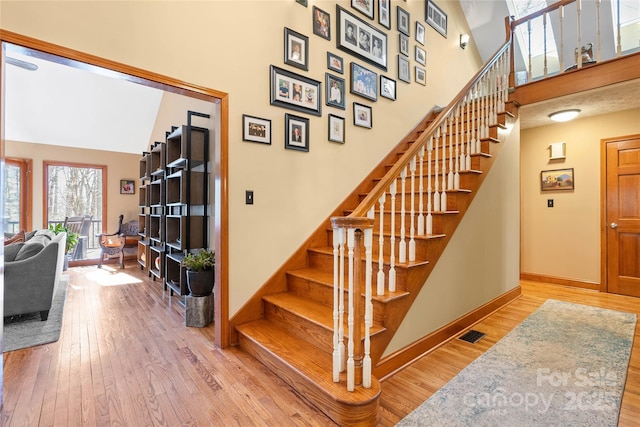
(394,172)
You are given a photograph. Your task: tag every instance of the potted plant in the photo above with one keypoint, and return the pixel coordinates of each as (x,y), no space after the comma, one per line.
(200,268)
(72,241)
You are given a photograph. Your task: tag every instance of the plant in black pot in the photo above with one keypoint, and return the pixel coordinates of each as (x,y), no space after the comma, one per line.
(72,241)
(200,267)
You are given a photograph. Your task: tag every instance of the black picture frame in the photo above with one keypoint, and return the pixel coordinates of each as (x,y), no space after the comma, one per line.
(321,23)
(366,7)
(334,91)
(384,13)
(420,33)
(436,18)
(335,63)
(311,94)
(127,186)
(387,87)
(403,69)
(421,55)
(302,2)
(403,47)
(256,129)
(404,20)
(364,82)
(296,132)
(361,39)
(420,75)
(362,115)
(336,129)
(296,49)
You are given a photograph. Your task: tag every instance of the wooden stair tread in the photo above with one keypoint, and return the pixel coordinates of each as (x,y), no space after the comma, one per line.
(312,311)
(315,364)
(327,250)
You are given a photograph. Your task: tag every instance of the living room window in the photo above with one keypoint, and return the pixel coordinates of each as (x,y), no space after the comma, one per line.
(17,195)
(77,190)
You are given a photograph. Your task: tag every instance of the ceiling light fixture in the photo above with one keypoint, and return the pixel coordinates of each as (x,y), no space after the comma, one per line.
(22,64)
(564,115)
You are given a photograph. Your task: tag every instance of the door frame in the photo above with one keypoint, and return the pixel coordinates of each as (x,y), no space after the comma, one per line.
(220,167)
(604,226)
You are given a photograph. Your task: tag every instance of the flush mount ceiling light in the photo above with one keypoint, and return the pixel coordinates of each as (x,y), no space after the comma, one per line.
(564,115)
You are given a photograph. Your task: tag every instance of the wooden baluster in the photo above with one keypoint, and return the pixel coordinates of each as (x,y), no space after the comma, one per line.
(529,48)
(380,278)
(421,193)
(579,48)
(392,239)
(456,175)
(474,125)
(599,45)
(619,37)
(544,38)
(429,224)
(495,75)
(451,158)
(443,194)
(412,229)
(338,286)
(469,138)
(368,308)
(351,247)
(436,176)
(561,54)
(402,246)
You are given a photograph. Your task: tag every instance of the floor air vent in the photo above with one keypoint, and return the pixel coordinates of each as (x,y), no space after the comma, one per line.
(472,336)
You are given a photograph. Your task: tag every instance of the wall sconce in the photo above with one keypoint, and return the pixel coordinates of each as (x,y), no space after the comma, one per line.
(564,116)
(464,40)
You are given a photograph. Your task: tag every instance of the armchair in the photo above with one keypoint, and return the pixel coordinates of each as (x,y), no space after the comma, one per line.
(113,245)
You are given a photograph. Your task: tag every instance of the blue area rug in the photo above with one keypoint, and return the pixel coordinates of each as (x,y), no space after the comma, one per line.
(28,330)
(564,365)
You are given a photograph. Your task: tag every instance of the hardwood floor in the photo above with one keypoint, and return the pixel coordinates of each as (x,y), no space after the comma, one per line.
(125,358)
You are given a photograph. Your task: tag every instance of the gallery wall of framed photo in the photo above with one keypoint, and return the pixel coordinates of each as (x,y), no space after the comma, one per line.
(373,49)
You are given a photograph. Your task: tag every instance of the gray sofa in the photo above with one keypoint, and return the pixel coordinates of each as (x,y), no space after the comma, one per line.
(32,271)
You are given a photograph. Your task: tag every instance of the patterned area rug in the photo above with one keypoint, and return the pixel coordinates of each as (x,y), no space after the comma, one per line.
(28,330)
(566,364)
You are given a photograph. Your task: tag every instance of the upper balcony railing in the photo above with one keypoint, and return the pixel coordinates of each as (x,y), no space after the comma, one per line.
(573,34)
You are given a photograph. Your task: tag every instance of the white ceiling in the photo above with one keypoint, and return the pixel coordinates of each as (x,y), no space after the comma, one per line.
(62,105)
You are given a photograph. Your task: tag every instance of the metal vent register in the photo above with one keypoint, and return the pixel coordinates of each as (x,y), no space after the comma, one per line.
(472,336)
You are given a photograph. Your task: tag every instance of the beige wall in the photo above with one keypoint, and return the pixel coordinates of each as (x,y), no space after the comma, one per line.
(481,261)
(119,166)
(228,46)
(564,241)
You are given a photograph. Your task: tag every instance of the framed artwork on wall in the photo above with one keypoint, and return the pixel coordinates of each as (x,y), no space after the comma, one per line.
(255,129)
(362,115)
(557,180)
(403,69)
(296,132)
(127,186)
(404,44)
(384,13)
(421,56)
(387,87)
(321,23)
(290,90)
(336,129)
(364,6)
(421,75)
(420,33)
(335,63)
(364,82)
(403,21)
(361,39)
(296,49)
(334,91)
(436,18)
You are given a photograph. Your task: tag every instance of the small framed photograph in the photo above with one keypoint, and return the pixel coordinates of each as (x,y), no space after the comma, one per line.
(321,23)
(403,21)
(420,33)
(384,13)
(335,63)
(364,6)
(334,91)
(387,87)
(404,44)
(421,75)
(362,116)
(296,49)
(255,129)
(296,132)
(556,180)
(290,90)
(421,56)
(403,69)
(336,129)
(435,17)
(361,39)
(364,82)
(302,2)
(127,186)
